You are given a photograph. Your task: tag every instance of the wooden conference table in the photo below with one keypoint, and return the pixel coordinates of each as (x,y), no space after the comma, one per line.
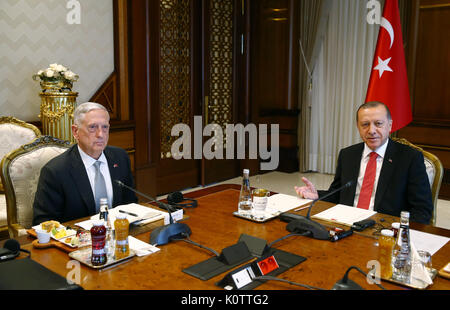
(213,225)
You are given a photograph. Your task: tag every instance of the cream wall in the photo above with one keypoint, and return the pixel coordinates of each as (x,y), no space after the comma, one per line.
(35,33)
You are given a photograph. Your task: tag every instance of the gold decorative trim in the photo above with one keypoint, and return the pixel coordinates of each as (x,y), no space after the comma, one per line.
(440,148)
(56,114)
(219,107)
(175,69)
(13,120)
(435,6)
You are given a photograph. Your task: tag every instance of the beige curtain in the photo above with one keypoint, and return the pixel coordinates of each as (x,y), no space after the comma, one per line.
(339,84)
(314,14)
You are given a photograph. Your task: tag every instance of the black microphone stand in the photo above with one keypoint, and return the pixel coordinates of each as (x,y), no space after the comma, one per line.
(346,284)
(163,234)
(305,224)
(160,204)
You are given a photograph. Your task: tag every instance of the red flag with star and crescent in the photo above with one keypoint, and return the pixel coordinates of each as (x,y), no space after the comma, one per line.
(388,81)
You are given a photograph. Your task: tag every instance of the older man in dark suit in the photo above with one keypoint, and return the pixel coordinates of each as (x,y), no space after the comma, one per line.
(71,184)
(398,180)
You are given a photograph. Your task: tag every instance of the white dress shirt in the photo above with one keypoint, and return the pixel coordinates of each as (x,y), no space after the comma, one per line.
(362,169)
(88,162)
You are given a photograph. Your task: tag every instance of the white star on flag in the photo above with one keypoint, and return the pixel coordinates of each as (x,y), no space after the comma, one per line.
(383,66)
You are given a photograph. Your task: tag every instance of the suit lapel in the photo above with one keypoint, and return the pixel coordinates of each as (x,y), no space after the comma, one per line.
(353,171)
(81,179)
(114,172)
(386,172)
(355,164)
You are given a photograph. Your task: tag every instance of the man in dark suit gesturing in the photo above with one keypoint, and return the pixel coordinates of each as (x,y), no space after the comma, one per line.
(398,180)
(71,184)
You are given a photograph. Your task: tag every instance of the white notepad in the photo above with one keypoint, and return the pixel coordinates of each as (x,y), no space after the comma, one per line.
(345,215)
(134,212)
(144,215)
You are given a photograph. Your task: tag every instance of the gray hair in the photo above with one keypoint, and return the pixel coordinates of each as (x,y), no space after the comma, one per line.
(82,109)
(374,104)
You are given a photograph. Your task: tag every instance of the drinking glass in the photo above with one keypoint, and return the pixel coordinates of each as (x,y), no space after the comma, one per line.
(43,236)
(260,199)
(425,258)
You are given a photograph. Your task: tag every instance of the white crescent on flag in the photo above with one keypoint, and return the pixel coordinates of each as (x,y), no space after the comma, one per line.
(387,25)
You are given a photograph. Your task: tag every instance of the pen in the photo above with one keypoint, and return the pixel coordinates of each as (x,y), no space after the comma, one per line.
(129,213)
(301,208)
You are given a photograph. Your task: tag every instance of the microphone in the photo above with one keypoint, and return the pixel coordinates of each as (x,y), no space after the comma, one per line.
(11,249)
(316,230)
(346,284)
(160,204)
(163,234)
(348,184)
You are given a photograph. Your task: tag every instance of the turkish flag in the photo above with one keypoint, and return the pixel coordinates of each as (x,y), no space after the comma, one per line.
(388,80)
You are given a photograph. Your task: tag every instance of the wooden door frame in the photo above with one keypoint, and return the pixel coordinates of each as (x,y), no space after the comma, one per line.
(215,170)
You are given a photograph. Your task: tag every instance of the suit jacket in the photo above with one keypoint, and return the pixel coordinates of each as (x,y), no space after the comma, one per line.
(403,183)
(64,192)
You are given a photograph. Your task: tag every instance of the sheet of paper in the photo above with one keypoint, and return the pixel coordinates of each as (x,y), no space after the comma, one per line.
(427,242)
(135,213)
(86,225)
(343,214)
(140,247)
(176,216)
(150,220)
(280,203)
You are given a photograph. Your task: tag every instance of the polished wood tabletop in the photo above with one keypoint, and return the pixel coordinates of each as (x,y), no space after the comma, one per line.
(213,225)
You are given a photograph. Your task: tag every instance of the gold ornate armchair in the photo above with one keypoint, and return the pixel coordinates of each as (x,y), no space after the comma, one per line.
(13,134)
(435,173)
(20,171)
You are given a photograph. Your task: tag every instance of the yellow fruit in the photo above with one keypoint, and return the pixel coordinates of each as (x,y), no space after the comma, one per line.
(60,234)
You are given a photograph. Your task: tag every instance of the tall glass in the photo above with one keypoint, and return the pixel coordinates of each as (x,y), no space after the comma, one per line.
(260,199)
(385,248)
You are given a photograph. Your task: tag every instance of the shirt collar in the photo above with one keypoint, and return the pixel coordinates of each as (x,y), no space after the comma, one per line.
(380,151)
(88,161)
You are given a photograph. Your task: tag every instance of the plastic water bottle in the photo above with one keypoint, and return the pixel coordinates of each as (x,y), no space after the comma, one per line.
(98,234)
(402,251)
(385,249)
(121,226)
(245,196)
(109,238)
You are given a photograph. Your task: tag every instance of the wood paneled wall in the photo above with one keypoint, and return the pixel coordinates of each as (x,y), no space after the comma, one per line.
(274,62)
(428,60)
(114,93)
